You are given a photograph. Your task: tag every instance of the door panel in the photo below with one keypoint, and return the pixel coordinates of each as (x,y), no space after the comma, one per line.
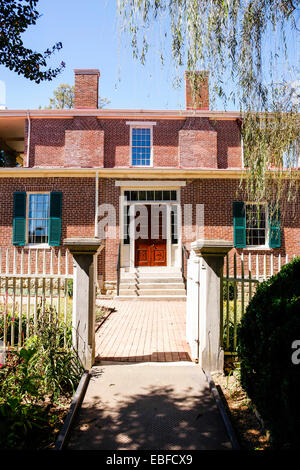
(151,252)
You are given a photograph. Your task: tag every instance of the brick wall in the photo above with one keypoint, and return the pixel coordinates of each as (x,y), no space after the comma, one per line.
(218,196)
(79,212)
(198,144)
(86,88)
(91,142)
(78,209)
(199,99)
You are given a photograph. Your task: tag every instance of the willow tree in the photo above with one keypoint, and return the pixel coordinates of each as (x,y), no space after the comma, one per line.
(249,49)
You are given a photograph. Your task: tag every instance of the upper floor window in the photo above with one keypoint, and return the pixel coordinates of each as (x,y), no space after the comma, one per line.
(38,218)
(141,146)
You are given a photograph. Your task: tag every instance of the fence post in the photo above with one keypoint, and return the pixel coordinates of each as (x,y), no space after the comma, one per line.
(84,251)
(212,253)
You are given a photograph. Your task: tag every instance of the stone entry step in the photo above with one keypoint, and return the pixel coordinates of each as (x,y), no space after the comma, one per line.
(152,284)
(151,297)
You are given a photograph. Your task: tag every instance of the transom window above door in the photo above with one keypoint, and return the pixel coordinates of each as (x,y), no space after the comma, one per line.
(151,195)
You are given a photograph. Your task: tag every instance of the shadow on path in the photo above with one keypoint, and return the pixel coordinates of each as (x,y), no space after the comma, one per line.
(168,414)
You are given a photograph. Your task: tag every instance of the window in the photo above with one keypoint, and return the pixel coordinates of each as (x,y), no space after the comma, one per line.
(153,196)
(126,238)
(256,224)
(38,218)
(169,195)
(174,225)
(141,146)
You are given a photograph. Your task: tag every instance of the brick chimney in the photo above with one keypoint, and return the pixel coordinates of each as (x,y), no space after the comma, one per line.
(200,98)
(86,88)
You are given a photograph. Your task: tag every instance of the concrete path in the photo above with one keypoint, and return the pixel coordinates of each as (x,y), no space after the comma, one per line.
(153,406)
(143,331)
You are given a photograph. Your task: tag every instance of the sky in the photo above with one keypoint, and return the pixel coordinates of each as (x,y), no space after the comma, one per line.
(91,39)
(90,36)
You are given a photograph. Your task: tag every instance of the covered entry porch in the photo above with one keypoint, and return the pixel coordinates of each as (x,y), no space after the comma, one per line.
(150,221)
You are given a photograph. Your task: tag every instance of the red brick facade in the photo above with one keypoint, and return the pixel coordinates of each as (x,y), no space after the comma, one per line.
(100,141)
(86,89)
(78,214)
(199,100)
(86,142)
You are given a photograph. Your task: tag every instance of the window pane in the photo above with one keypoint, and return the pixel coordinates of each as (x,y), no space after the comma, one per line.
(150,195)
(255,224)
(38,218)
(141,147)
(158,195)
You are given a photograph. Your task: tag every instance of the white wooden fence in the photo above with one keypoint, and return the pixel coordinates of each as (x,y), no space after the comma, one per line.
(32,281)
(241,275)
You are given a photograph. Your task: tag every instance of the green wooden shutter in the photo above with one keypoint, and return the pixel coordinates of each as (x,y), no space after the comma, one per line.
(239,225)
(55,218)
(274,228)
(19,219)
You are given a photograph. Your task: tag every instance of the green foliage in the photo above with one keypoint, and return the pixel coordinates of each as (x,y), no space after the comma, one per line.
(70,287)
(228,292)
(15,17)
(43,369)
(13,322)
(243,45)
(268,375)
(63,98)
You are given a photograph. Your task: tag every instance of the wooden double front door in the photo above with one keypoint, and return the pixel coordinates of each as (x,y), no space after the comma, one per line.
(150,251)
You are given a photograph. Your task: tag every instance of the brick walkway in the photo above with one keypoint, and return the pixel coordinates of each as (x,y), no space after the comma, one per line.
(143,331)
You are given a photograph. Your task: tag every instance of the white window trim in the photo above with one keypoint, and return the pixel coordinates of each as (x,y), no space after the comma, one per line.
(142,125)
(266,246)
(146,184)
(34,245)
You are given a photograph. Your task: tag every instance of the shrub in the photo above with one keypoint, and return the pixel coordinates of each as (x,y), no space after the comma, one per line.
(13,320)
(42,369)
(269,327)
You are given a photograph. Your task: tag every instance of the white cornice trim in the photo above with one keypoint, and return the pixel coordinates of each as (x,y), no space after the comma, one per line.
(126,173)
(118,113)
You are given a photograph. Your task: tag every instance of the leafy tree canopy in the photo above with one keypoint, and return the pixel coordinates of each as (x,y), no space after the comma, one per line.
(249,49)
(63,98)
(15,17)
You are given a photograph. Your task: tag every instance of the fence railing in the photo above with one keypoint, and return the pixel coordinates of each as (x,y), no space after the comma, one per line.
(241,275)
(32,282)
